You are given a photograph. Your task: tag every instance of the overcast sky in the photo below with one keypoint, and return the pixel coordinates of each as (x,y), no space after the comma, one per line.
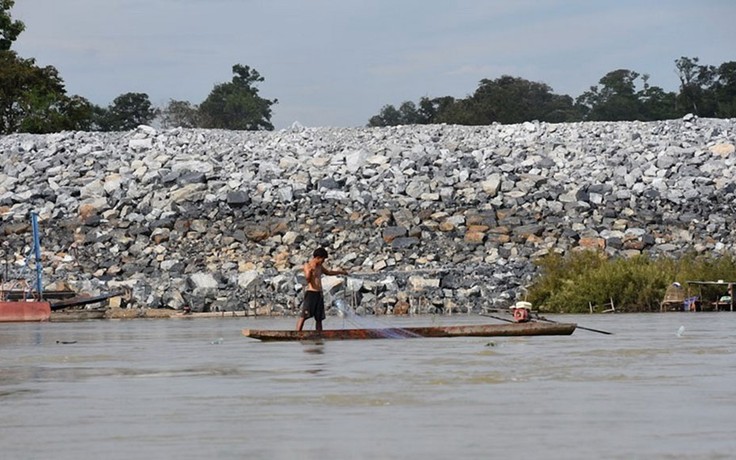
(337,62)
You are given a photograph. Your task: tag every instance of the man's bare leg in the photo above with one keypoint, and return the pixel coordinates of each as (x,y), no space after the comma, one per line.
(319,326)
(300,324)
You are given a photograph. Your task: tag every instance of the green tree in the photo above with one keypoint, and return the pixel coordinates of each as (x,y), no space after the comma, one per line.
(9,29)
(180,114)
(48,112)
(514,100)
(410,114)
(126,112)
(657,104)
(388,116)
(237,105)
(78,113)
(432,109)
(428,111)
(725,90)
(461,112)
(615,100)
(696,87)
(33,99)
(503,100)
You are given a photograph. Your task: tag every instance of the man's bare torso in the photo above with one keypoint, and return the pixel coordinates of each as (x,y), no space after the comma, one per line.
(313,273)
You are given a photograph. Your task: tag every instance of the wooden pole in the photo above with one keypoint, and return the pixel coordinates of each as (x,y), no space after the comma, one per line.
(541,318)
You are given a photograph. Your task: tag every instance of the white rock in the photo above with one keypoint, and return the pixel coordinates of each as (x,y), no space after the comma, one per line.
(203,280)
(140,145)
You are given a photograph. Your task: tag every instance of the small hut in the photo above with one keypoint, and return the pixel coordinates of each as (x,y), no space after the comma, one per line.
(713,295)
(674,298)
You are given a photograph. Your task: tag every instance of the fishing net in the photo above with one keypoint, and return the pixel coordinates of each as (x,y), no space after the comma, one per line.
(347,313)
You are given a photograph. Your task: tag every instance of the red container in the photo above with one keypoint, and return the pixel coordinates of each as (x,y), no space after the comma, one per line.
(24,311)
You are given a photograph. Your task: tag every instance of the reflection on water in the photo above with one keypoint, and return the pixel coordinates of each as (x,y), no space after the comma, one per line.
(316,347)
(316,364)
(159,389)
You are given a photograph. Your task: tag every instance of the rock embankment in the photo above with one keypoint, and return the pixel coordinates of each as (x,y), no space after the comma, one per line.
(427,218)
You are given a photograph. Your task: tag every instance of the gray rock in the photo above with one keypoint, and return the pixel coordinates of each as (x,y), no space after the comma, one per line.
(238,198)
(157,206)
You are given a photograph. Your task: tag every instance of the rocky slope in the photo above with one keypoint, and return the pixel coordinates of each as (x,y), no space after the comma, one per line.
(427,218)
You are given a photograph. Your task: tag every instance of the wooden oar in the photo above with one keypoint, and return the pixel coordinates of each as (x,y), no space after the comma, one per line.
(498,318)
(542,318)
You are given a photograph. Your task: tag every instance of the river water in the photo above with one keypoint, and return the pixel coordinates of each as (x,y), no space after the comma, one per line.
(663,386)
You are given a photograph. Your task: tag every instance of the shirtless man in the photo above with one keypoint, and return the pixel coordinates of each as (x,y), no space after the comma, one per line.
(314,303)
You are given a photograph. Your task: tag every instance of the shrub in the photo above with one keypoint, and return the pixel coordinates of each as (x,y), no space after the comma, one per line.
(568,284)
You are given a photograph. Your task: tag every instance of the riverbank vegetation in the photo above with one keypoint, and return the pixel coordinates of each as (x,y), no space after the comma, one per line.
(571,283)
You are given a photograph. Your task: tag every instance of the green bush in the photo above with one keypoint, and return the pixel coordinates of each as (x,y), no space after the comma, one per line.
(571,283)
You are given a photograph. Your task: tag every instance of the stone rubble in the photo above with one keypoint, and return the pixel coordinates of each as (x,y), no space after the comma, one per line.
(430,218)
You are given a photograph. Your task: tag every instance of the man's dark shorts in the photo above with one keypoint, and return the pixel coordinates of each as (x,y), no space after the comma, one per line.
(314,306)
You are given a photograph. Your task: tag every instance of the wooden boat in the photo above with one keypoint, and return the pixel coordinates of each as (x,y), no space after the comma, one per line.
(18,310)
(474,330)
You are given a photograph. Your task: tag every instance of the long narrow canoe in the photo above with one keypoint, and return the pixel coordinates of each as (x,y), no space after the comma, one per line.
(474,330)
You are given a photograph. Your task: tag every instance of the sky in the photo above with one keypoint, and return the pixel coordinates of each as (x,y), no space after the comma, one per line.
(338,62)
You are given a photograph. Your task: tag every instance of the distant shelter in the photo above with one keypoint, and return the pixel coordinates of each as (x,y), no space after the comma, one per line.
(699,296)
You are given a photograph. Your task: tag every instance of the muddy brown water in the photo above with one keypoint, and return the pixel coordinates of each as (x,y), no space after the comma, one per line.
(662,387)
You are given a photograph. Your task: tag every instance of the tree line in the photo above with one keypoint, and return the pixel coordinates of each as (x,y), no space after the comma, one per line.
(33,99)
(621,95)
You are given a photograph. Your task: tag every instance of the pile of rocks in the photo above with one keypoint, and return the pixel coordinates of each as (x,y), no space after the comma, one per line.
(427,218)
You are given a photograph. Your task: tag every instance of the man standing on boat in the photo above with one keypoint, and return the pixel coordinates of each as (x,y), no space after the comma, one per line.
(314,302)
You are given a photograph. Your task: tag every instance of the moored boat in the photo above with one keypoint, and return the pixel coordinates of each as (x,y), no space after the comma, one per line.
(18,310)
(473,330)
(31,302)
(31,305)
